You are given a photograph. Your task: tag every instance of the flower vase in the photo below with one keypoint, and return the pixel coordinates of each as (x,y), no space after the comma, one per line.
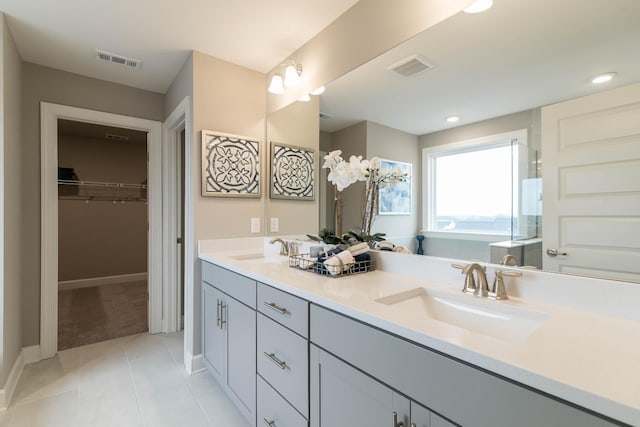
(338,212)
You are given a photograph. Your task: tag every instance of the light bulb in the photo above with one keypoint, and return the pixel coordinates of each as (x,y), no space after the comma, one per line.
(603,78)
(479,6)
(452,119)
(318,91)
(291,76)
(276,85)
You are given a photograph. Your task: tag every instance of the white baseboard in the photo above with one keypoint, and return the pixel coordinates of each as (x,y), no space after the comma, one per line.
(193,364)
(100,281)
(26,355)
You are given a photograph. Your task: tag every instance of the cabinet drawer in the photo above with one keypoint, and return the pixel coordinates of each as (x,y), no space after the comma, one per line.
(272,408)
(236,285)
(283,362)
(284,308)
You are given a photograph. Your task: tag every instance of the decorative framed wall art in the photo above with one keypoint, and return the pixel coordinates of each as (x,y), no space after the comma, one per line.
(292,172)
(230,165)
(395,199)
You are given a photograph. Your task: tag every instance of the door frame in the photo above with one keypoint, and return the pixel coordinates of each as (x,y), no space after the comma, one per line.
(49,115)
(178,120)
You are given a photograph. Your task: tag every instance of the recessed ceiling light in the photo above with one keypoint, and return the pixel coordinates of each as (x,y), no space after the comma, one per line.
(452,119)
(603,78)
(318,91)
(304,98)
(479,6)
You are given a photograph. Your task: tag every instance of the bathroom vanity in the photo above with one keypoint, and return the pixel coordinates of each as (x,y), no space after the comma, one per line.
(292,348)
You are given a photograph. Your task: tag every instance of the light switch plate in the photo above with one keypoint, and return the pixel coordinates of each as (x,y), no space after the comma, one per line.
(275,225)
(255,225)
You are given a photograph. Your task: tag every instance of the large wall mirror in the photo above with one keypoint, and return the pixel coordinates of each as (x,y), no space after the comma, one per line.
(496,71)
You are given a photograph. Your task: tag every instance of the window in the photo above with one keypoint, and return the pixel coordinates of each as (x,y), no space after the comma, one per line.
(473,187)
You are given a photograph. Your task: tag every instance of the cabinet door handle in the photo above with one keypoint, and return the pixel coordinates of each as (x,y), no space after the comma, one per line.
(223,314)
(281,363)
(274,307)
(269,423)
(394,420)
(218,313)
(413,425)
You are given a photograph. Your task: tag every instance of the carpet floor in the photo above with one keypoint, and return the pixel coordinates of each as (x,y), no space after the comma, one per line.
(100,313)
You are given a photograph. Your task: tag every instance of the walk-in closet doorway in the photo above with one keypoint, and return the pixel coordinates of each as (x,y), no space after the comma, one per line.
(102,233)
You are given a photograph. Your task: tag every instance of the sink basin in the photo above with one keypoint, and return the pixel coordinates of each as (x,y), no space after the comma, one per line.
(482,316)
(259,257)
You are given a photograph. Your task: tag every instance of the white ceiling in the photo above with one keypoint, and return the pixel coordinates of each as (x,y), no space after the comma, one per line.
(516,56)
(256,34)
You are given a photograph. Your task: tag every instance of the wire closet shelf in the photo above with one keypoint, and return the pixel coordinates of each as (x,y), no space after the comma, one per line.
(116,192)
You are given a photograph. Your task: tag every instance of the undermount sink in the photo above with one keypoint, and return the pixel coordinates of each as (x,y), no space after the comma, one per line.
(482,316)
(259,257)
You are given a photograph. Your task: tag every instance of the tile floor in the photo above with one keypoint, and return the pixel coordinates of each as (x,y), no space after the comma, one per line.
(131,381)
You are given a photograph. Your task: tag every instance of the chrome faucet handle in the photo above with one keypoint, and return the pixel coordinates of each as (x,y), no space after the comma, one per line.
(498,290)
(509,260)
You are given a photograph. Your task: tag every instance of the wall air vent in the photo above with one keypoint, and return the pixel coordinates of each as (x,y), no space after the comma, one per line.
(411,66)
(115,137)
(131,63)
(325,115)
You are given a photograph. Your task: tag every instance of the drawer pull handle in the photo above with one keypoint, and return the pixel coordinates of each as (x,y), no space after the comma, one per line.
(281,363)
(274,307)
(269,423)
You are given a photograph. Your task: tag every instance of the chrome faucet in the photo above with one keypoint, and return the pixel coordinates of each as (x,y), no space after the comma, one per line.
(284,246)
(509,260)
(471,285)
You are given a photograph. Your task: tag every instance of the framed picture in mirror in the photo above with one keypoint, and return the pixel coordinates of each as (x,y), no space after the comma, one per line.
(395,199)
(230,165)
(292,172)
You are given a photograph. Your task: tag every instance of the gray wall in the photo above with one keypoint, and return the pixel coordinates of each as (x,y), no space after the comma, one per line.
(392,144)
(60,87)
(102,238)
(352,141)
(13,226)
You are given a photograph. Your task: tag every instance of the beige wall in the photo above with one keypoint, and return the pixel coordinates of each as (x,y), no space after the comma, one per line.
(296,124)
(368,29)
(102,238)
(14,248)
(230,99)
(393,144)
(181,87)
(60,87)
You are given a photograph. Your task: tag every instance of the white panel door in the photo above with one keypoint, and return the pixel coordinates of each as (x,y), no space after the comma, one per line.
(591,185)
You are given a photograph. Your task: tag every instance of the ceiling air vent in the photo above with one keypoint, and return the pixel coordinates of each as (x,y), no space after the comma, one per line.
(325,115)
(411,66)
(131,63)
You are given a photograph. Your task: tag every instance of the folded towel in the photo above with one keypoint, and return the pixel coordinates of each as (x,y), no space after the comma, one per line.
(339,262)
(363,263)
(358,249)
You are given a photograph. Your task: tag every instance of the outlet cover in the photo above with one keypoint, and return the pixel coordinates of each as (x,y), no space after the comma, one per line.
(275,225)
(255,225)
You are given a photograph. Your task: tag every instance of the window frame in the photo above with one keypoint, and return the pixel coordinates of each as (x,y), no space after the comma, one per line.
(429,155)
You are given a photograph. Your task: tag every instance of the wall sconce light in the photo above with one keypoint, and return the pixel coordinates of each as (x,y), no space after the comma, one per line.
(276,86)
(292,77)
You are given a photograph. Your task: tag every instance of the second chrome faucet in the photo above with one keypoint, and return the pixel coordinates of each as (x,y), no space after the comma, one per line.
(475,281)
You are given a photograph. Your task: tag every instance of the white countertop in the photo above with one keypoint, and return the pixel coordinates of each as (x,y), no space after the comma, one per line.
(582,357)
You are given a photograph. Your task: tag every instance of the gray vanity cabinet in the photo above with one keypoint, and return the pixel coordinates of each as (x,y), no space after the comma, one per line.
(464,394)
(342,396)
(229,334)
